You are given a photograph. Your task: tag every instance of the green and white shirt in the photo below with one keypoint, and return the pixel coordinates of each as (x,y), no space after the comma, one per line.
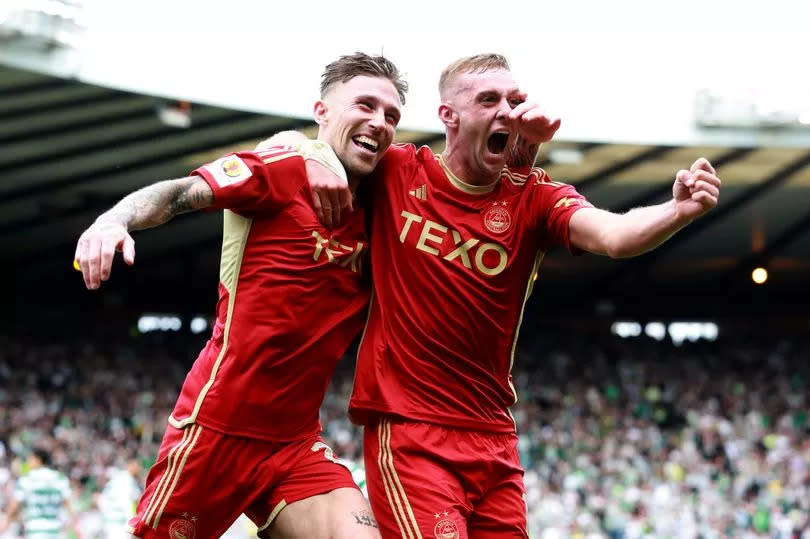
(358,473)
(42,493)
(118,499)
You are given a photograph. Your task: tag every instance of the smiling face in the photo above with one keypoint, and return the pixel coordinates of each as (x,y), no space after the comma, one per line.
(358,118)
(475,110)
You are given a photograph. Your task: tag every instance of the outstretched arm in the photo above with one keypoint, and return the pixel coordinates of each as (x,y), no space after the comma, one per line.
(694,193)
(148,207)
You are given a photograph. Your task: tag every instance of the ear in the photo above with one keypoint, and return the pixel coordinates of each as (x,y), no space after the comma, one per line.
(319,113)
(448,116)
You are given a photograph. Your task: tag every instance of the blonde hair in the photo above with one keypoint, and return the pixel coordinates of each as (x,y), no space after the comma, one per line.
(471,64)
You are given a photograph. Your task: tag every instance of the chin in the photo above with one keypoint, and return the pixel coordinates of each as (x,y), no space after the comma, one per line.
(359,171)
(494,168)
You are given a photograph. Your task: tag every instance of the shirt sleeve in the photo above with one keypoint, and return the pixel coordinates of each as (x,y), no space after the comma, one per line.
(553,204)
(64,487)
(253,183)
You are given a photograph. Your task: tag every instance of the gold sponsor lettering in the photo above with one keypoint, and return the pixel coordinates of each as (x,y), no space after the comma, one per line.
(409,218)
(469,252)
(320,242)
(479,259)
(426,235)
(461,250)
(338,253)
(354,259)
(333,250)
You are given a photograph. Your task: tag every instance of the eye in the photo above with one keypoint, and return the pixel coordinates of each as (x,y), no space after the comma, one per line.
(515,101)
(392,119)
(365,105)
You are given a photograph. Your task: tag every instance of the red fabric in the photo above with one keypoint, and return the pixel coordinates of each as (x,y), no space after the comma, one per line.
(451,272)
(445,482)
(203,480)
(292,296)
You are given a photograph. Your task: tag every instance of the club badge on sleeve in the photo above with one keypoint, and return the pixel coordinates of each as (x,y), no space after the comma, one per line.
(229,170)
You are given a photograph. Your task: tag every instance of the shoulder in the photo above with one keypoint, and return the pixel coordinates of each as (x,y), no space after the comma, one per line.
(398,159)
(235,167)
(399,152)
(530,178)
(54,475)
(272,154)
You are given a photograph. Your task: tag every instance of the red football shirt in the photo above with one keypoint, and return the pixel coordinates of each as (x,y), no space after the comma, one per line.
(453,265)
(291,299)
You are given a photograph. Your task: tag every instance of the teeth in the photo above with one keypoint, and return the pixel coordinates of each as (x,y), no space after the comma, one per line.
(366,140)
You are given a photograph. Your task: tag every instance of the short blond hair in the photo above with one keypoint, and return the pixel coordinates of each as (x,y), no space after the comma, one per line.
(479,63)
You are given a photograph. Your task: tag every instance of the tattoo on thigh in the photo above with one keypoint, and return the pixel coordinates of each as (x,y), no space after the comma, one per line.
(364,518)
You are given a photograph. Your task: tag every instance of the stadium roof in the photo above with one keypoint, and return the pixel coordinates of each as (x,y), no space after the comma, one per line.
(70,150)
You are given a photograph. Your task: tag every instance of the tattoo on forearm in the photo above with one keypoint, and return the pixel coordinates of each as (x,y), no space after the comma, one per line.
(522,153)
(187,198)
(364,518)
(158,203)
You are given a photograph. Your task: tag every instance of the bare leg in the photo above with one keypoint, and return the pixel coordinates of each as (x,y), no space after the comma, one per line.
(341,514)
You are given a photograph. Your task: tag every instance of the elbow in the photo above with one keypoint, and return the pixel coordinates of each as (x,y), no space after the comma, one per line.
(621,249)
(618,253)
(610,243)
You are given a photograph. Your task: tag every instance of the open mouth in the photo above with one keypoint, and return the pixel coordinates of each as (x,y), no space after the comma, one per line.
(496,143)
(366,143)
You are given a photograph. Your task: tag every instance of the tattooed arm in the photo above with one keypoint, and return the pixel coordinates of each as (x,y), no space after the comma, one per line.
(523,153)
(148,207)
(534,127)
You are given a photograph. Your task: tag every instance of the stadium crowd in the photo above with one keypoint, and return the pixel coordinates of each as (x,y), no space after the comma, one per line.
(620,438)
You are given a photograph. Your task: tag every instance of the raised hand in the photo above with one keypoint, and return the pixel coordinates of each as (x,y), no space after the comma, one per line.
(696,190)
(534,125)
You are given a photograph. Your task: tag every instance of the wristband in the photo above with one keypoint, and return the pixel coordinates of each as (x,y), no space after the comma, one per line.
(321,152)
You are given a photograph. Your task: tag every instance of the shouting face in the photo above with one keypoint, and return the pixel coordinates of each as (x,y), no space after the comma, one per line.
(476,111)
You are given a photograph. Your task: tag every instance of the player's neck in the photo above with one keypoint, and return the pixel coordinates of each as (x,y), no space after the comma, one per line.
(459,165)
(354,182)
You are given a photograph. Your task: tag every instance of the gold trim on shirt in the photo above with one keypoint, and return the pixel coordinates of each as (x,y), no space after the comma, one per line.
(464,186)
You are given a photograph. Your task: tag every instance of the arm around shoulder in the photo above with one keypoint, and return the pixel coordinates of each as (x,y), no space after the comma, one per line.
(282,138)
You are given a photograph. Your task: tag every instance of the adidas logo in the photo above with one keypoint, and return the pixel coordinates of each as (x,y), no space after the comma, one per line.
(420,192)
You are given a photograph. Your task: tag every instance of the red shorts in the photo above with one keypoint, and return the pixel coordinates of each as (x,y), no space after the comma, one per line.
(430,481)
(203,480)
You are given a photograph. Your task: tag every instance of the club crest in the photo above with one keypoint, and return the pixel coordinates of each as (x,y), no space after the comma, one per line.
(497,218)
(182,529)
(445,529)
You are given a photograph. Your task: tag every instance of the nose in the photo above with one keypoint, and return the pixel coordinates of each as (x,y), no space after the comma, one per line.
(503,110)
(377,119)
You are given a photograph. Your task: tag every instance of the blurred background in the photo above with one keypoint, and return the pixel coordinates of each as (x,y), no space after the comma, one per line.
(661,396)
